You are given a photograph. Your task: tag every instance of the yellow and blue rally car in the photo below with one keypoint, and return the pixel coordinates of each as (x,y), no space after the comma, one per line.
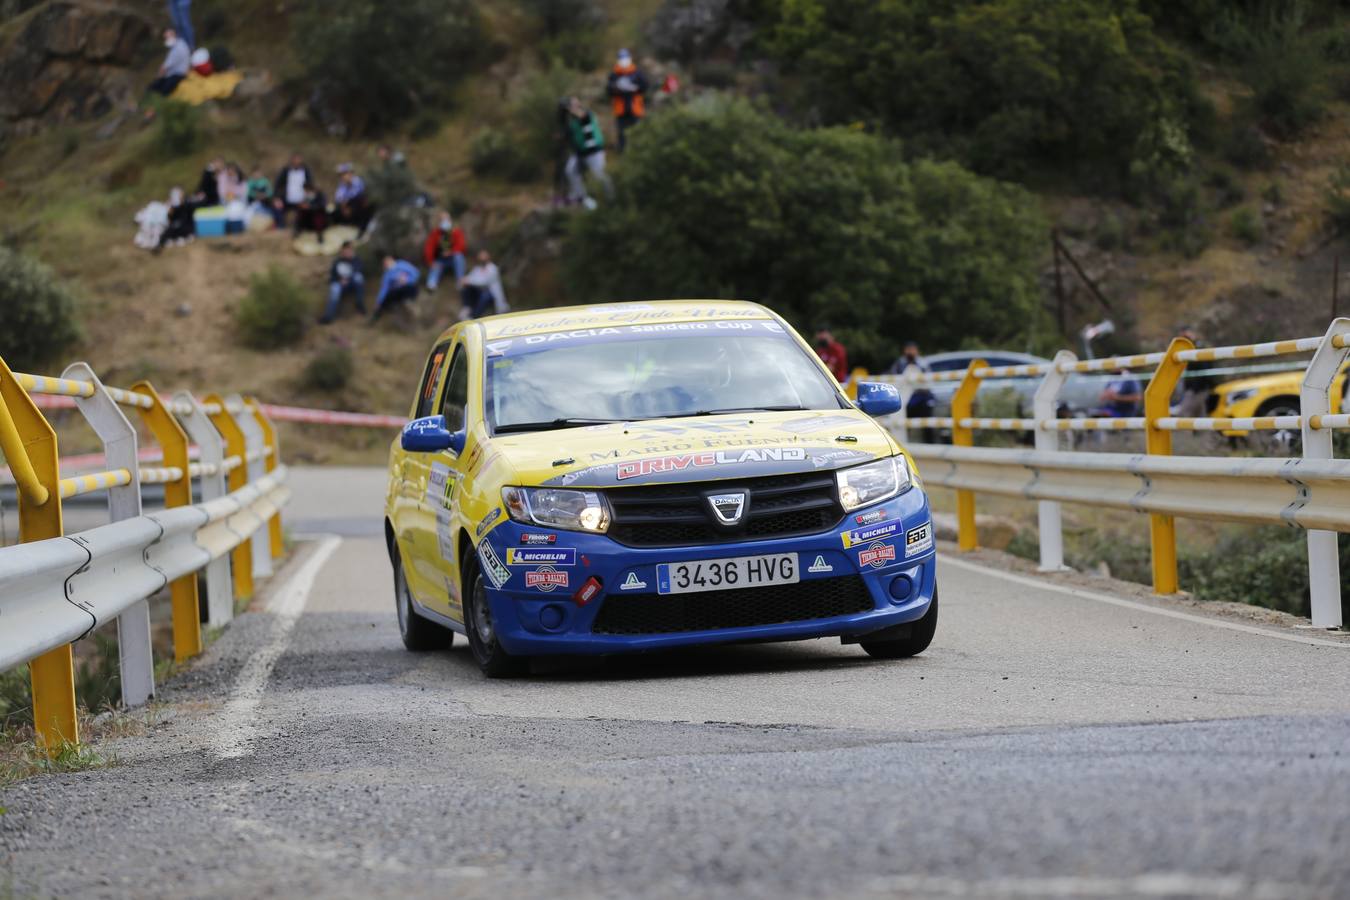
(625,477)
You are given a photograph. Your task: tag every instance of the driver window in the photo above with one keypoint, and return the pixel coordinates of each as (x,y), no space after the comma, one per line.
(456,396)
(430,379)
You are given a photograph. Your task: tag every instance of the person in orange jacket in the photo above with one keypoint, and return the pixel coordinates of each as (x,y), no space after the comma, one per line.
(444,244)
(628,93)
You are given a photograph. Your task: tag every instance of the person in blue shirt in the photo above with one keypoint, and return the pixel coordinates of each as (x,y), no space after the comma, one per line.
(345,277)
(398,286)
(1121,398)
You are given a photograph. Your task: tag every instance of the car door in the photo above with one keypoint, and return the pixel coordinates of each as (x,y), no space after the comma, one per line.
(445,488)
(411,508)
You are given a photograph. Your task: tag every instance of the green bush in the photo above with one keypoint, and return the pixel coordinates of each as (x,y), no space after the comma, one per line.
(37,313)
(723,199)
(494,152)
(1338,198)
(380,63)
(1246,225)
(1282,60)
(178,129)
(274,312)
(329,370)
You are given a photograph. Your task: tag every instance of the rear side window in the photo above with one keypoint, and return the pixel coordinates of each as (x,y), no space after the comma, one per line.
(426,396)
(456,396)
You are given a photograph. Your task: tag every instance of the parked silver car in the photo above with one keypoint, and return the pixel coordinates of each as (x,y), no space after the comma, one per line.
(1079,396)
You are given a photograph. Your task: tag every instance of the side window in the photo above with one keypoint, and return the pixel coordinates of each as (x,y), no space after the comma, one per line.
(456,396)
(426,398)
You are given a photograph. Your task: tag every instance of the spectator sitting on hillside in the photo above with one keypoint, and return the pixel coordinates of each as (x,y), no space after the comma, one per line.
(351,204)
(397,287)
(444,244)
(312,214)
(628,92)
(259,196)
(833,354)
(181,228)
(288,189)
(208,186)
(346,276)
(230,184)
(482,290)
(175,67)
(588,152)
(1121,397)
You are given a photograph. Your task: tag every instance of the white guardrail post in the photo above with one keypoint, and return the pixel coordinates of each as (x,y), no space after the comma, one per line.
(136,661)
(1324,568)
(256,446)
(210,456)
(1045,405)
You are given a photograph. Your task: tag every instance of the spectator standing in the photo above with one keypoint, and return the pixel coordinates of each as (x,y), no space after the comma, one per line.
(628,95)
(922,404)
(588,153)
(832,353)
(288,190)
(175,67)
(180,14)
(352,204)
(444,244)
(346,276)
(482,292)
(398,286)
(1121,397)
(1195,388)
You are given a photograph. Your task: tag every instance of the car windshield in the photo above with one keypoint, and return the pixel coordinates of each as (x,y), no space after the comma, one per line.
(650,371)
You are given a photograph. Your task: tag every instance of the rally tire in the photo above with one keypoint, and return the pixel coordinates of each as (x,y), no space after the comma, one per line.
(419,634)
(487,651)
(920,636)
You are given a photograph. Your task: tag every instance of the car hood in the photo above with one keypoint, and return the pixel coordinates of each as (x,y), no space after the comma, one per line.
(699,448)
(1277,381)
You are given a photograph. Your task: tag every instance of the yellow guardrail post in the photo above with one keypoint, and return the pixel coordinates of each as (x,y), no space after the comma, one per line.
(187,625)
(273,457)
(851,383)
(29,445)
(963,405)
(1157,405)
(241,558)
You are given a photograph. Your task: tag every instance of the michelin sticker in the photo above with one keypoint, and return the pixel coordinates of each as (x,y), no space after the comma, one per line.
(493,569)
(540,556)
(632,583)
(488,521)
(877,554)
(820,565)
(917,540)
(871,533)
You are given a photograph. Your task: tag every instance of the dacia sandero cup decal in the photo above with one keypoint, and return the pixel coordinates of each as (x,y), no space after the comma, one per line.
(618,478)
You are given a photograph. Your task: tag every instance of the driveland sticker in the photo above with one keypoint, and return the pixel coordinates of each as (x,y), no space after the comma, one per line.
(546,578)
(917,540)
(877,555)
(860,536)
(541,556)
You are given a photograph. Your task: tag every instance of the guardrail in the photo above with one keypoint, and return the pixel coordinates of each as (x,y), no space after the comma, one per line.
(57,588)
(1312,492)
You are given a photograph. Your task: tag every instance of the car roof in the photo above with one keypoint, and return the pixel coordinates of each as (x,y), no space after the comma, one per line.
(566,318)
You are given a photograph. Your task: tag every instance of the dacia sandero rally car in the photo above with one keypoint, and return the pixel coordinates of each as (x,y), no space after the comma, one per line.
(626,477)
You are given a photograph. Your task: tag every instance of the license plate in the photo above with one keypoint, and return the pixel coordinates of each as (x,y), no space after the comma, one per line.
(727,574)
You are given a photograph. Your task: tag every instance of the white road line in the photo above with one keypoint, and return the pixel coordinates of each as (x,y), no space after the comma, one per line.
(1046,585)
(234,733)
(1150,884)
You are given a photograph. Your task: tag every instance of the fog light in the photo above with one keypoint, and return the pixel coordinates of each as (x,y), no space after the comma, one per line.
(551,617)
(902,588)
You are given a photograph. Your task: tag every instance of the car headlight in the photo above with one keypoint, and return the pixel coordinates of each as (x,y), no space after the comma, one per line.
(1239,396)
(872,483)
(557,508)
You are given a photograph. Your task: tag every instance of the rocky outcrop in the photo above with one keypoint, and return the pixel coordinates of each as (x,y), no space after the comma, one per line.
(70,61)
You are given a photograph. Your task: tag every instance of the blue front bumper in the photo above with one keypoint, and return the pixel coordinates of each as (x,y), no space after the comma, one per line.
(536,613)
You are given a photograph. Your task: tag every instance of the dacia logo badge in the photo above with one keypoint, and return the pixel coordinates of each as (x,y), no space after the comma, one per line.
(728,508)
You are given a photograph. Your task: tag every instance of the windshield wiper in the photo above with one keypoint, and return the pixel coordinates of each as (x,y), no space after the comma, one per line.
(556,423)
(742,409)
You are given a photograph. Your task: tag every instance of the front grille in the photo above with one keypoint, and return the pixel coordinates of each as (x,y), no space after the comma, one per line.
(673,515)
(712,610)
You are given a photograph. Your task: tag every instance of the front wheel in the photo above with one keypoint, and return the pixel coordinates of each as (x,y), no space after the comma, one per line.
(488,652)
(418,634)
(919,637)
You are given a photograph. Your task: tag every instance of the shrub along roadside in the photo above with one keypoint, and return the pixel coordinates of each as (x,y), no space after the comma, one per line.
(37,312)
(274,312)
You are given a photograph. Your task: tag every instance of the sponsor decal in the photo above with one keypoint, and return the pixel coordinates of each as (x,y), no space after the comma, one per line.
(728,508)
(538,556)
(820,565)
(441,486)
(877,555)
(677,462)
(809,424)
(632,583)
(869,518)
(535,537)
(486,522)
(917,540)
(493,570)
(870,533)
(587,592)
(545,578)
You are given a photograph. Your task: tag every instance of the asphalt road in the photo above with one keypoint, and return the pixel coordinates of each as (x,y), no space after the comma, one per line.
(1047,745)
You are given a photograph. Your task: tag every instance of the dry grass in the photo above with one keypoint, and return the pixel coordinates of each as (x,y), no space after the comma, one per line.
(21,757)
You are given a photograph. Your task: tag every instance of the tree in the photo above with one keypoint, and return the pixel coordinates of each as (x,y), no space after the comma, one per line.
(724,199)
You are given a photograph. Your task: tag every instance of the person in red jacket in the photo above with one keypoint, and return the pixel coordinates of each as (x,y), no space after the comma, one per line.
(628,94)
(444,244)
(832,353)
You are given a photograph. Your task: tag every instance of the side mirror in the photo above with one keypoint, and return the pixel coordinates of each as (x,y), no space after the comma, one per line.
(878,399)
(429,435)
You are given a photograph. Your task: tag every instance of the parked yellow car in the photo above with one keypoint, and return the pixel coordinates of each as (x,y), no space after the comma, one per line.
(1273,394)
